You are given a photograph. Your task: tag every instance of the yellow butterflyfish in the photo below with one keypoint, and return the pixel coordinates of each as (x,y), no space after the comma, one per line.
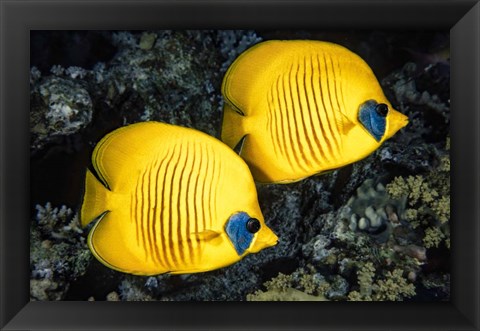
(300,107)
(170,199)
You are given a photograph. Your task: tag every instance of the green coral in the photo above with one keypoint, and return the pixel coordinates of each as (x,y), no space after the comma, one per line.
(441,208)
(365,279)
(428,197)
(433,237)
(279,283)
(290,294)
(391,287)
(302,285)
(355,296)
(308,283)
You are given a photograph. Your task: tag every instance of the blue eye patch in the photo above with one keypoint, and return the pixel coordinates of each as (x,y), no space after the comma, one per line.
(372,115)
(238,233)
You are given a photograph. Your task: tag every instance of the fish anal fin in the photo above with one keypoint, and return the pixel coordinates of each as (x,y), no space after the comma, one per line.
(111,243)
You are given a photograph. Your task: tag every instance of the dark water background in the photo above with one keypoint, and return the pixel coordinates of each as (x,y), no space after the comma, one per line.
(58,164)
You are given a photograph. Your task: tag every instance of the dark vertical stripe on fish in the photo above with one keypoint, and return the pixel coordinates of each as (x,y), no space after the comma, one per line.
(188,199)
(316,110)
(172,219)
(138,217)
(197,197)
(155,217)
(299,153)
(149,220)
(144,216)
(151,204)
(281,126)
(340,88)
(304,109)
(333,121)
(307,114)
(166,196)
(300,124)
(286,126)
(272,122)
(161,248)
(337,98)
(211,187)
(203,195)
(291,121)
(324,124)
(217,176)
(180,214)
(141,218)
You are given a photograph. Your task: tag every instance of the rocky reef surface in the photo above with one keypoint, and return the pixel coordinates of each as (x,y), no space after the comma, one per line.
(375,230)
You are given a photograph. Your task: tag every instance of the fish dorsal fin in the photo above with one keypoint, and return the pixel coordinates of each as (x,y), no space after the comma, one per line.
(207,235)
(123,152)
(251,73)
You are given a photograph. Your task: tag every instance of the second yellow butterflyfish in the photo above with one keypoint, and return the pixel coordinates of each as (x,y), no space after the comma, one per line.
(170,199)
(300,107)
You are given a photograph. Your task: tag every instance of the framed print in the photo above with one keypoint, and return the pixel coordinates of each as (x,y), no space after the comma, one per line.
(226,165)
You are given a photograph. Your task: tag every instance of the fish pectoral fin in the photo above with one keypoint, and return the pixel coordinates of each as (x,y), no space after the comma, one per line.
(232,125)
(238,148)
(207,235)
(347,124)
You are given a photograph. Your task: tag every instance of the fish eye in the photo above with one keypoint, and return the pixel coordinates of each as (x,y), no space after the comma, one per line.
(253,225)
(381,109)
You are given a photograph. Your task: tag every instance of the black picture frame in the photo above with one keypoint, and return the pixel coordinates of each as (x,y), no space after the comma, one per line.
(18,17)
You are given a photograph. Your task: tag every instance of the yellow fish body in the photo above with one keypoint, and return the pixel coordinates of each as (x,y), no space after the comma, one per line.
(170,199)
(304,107)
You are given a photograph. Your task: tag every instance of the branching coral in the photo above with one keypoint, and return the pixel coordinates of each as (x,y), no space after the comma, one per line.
(302,285)
(391,287)
(428,201)
(394,287)
(58,252)
(289,294)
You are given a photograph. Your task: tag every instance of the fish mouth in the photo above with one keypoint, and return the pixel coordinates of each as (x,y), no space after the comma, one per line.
(265,239)
(396,121)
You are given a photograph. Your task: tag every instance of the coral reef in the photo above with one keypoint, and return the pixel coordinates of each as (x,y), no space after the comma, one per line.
(378,229)
(169,76)
(58,252)
(391,287)
(59,107)
(428,198)
(301,285)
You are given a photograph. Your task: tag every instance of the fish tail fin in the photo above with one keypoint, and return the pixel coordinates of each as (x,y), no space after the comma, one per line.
(232,127)
(95,199)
